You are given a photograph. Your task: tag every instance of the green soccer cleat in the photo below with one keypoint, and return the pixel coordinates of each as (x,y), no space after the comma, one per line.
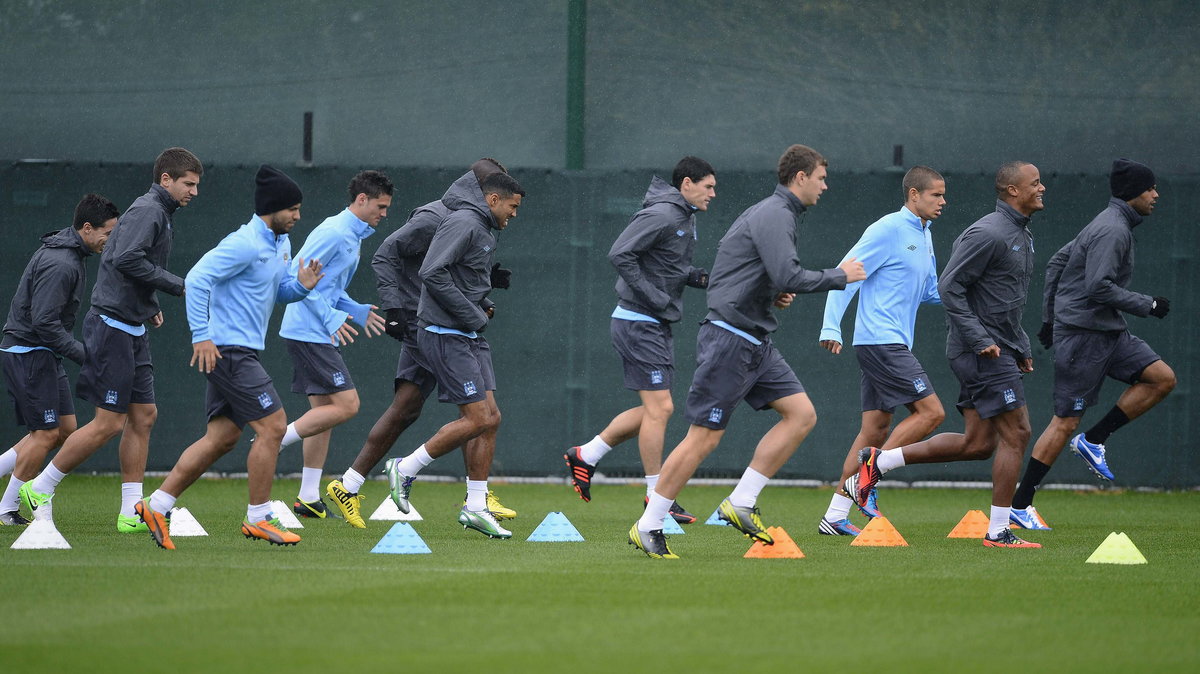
(483,522)
(746,520)
(653,543)
(314,509)
(349,503)
(399,484)
(39,505)
(128,525)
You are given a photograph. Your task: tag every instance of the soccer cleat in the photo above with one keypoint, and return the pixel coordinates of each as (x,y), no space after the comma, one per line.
(746,520)
(653,543)
(156,523)
(483,522)
(1029,518)
(314,509)
(349,503)
(496,508)
(271,531)
(39,505)
(842,527)
(13,518)
(581,473)
(870,509)
(678,513)
(129,524)
(1092,455)
(859,485)
(399,483)
(1006,539)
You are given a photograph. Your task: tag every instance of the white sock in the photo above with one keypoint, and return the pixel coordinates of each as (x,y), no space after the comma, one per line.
(258,513)
(131,493)
(161,501)
(594,450)
(839,508)
(310,484)
(656,512)
(651,483)
(289,437)
(8,461)
(477,495)
(48,479)
(999,521)
(889,459)
(12,498)
(352,481)
(416,462)
(745,494)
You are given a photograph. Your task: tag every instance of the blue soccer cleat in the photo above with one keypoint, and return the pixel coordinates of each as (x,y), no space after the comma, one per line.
(871,508)
(1092,455)
(1027,519)
(842,527)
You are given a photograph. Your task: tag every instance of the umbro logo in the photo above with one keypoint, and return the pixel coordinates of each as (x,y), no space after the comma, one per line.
(912,247)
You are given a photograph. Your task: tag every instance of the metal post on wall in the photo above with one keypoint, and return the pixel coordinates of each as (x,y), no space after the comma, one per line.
(576,71)
(307,156)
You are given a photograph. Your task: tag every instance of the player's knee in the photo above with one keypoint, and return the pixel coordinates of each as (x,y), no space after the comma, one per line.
(979,451)
(934,418)
(660,412)
(65,429)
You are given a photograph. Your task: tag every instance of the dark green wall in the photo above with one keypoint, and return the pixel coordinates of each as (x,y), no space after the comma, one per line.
(559,380)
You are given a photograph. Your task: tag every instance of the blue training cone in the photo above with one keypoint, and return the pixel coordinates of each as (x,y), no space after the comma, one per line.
(555,528)
(670,526)
(401,539)
(715,518)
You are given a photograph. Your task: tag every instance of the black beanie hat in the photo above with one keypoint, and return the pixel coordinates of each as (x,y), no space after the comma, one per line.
(274,191)
(1129,179)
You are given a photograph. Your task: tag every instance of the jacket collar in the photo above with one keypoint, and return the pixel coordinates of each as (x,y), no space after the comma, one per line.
(1132,217)
(1012,214)
(164,197)
(793,204)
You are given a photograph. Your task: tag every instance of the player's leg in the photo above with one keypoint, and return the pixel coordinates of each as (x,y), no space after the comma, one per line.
(1012,432)
(477,512)
(327,411)
(872,432)
(133,452)
(260,523)
(1149,387)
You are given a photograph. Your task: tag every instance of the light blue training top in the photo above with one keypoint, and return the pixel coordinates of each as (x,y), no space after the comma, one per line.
(336,242)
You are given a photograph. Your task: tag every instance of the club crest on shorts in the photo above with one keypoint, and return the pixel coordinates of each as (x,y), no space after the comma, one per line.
(1078,404)
(1010,396)
(110,397)
(469,388)
(919,385)
(715,414)
(339,379)
(656,377)
(49,417)
(264,399)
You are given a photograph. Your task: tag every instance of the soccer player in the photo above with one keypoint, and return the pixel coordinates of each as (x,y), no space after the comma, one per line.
(757,267)
(117,374)
(653,257)
(318,369)
(37,336)
(397,266)
(456,278)
(231,291)
(983,288)
(897,255)
(1086,292)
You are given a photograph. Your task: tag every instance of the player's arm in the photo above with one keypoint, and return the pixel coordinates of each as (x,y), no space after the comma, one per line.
(775,243)
(225,261)
(51,290)
(323,246)
(131,259)
(1101,271)
(296,288)
(966,265)
(871,251)
(449,245)
(386,265)
(625,255)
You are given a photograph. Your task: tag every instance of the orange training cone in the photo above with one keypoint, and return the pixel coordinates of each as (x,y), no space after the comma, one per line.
(879,532)
(784,548)
(973,525)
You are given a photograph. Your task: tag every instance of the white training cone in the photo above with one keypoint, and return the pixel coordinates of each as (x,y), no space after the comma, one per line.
(284,514)
(41,535)
(388,511)
(183,523)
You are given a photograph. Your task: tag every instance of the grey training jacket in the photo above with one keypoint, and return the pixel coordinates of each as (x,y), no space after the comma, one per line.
(1086,281)
(43,309)
(397,262)
(653,256)
(456,274)
(985,284)
(757,260)
(134,261)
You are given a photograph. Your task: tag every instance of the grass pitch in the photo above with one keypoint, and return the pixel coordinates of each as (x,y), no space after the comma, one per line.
(224,603)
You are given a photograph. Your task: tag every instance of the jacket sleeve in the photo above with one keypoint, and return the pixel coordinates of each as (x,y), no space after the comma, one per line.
(321,246)
(639,236)
(869,250)
(131,259)
(932,296)
(386,263)
(51,290)
(1101,271)
(225,261)
(449,245)
(971,256)
(776,246)
(1054,270)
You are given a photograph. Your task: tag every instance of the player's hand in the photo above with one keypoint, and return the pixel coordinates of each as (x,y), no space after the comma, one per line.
(309,274)
(394,325)
(1159,307)
(501,277)
(375,323)
(784,300)
(156,320)
(344,335)
(854,270)
(992,351)
(1046,335)
(698,278)
(204,356)
(832,346)
(490,311)
(1025,365)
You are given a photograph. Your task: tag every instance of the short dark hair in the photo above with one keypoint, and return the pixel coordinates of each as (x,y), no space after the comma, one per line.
(920,178)
(374,184)
(485,167)
(94,209)
(691,167)
(1007,174)
(175,162)
(501,184)
(799,158)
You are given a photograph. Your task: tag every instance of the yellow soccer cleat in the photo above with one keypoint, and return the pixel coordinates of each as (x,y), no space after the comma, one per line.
(350,504)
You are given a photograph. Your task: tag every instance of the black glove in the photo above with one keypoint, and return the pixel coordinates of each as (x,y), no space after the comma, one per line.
(1046,335)
(698,278)
(394,324)
(500,276)
(1160,307)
